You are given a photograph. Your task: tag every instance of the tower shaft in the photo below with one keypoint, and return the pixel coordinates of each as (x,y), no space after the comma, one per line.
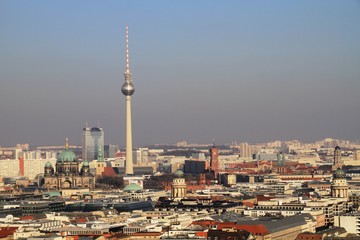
(129,149)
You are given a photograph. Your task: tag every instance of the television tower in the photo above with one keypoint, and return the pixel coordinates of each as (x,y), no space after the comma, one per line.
(128,89)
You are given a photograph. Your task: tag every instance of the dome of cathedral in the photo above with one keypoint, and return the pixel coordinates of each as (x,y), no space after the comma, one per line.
(66,156)
(339,173)
(178,173)
(86,164)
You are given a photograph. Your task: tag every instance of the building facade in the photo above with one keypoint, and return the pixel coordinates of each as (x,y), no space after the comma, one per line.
(67,174)
(338,162)
(339,186)
(178,186)
(214,160)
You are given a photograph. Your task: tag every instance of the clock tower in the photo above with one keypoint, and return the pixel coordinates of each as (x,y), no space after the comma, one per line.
(214,160)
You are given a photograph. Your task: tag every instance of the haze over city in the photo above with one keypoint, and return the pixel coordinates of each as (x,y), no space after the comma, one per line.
(233,70)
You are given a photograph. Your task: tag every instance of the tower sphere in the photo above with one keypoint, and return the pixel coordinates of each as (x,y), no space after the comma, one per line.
(128,89)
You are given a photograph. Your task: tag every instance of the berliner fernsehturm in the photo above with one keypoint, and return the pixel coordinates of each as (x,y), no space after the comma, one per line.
(128,89)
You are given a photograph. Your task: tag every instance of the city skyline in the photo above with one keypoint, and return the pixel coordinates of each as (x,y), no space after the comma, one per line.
(240,71)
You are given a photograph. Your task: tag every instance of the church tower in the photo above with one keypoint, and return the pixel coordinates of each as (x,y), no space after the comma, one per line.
(178,186)
(100,164)
(339,186)
(338,162)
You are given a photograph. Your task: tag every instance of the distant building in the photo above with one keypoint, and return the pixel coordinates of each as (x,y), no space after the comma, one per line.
(214,160)
(109,151)
(178,186)
(141,156)
(338,162)
(93,138)
(182,144)
(228,179)
(339,187)
(198,155)
(194,167)
(245,150)
(357,155)
(265,156)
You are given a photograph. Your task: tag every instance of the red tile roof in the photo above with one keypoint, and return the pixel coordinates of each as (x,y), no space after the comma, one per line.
(254,229)
(309,236)
(29,217)
(7,231)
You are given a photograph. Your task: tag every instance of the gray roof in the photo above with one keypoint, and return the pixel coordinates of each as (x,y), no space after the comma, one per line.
(287,222)
(273,224)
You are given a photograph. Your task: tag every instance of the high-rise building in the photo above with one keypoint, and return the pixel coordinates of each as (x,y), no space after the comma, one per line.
(93,138)
(142,156)
(109,151)
(245,150)
(128,89)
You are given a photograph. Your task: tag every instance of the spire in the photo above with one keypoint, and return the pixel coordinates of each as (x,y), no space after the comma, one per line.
(127,71)
(67,144)
(100,155)
(127,88)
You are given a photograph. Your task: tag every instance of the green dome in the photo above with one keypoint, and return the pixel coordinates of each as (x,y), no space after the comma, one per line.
(86,164)
(339,173)
(178,173)
(133,187)
(48,164)
(66,156)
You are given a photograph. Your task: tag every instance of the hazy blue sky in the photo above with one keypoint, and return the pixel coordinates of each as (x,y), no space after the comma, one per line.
(230,70)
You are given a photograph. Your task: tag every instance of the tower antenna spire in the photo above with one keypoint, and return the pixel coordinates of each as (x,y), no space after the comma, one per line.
(128,89)
(127,71)
(67,144)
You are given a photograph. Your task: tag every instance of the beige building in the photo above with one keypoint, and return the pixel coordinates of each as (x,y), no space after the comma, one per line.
(245,150)
(331,207)
(32,167)
(178,186)
(350,222)
(339,187)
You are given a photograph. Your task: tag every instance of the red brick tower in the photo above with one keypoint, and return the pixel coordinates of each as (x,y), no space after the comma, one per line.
(214,160)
